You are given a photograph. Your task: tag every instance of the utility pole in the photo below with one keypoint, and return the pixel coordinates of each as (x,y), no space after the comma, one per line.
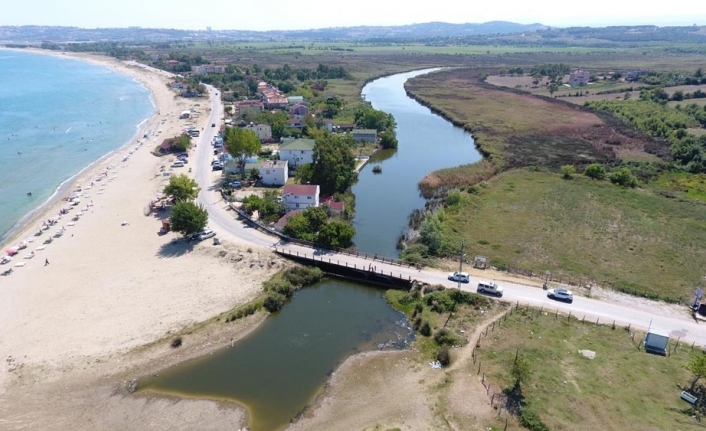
(460,264)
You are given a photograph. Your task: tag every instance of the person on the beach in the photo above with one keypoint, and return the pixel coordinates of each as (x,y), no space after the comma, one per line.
(46,262)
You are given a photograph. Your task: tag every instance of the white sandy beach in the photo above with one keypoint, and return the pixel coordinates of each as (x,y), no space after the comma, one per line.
(110,288)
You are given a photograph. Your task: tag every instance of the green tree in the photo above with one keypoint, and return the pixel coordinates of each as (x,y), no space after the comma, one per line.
(553,87)
(567,172)
(188,218)
(370,118)
(595,171)
(182,188)
(242,144)
(336,233)
(333,165)
(520,370)
(306,224)
(388,140)
(697,367)
(623,177)
(182,144)
(430,234)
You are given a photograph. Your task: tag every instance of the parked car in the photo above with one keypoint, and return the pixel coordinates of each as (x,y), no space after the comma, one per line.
(461,277)
(184,154)
(184,160)
(213,124)
(178,164)
(235,184)
(207,233)
(218,166)
(561,295)
(490,288)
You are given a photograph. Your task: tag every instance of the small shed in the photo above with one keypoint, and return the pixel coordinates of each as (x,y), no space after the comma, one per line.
(656,342)
(481,262)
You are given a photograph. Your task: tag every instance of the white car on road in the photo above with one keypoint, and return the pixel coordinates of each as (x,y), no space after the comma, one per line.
(461,277)
(490,288)
(561,295)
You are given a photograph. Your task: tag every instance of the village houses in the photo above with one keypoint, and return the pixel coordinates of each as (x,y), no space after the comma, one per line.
(297,152)
(365,135)
(300,196)
(274,172)
(263,131)
(208,68)
(579,78)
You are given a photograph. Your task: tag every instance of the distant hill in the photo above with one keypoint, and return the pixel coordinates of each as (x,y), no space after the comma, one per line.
(38,34)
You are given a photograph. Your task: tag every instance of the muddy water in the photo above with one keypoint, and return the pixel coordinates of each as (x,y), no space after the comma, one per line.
(280,367)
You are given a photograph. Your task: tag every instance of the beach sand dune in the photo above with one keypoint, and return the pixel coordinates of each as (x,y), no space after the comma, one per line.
(72,315)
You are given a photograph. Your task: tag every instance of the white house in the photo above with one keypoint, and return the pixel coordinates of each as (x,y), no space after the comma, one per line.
(365,135)
(300,196)
(263,131)
(579,78)
(297,152)
(274,172)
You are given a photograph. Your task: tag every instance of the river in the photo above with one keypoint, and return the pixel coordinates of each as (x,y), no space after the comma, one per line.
(282,365)
(426,143)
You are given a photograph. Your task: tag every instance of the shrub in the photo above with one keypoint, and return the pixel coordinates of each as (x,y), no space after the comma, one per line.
(440,302)
(595,171)
(444,337)
(176,342)
(300,276)
(417,323)
(443,356)
(624,178)
(425,329)
(529,418)
(474,190)
(418,308)
(567,172)
(274,302)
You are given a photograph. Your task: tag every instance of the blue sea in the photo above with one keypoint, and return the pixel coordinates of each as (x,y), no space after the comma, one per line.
(57,116)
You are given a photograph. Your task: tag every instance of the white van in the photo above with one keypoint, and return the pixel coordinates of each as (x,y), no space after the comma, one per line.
(178,164)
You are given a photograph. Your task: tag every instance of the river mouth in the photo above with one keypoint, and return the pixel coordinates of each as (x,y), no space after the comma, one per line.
(281,366)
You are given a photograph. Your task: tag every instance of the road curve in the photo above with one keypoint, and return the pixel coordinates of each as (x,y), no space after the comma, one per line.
(639,313)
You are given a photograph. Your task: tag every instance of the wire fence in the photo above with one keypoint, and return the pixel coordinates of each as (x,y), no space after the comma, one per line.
(497,395)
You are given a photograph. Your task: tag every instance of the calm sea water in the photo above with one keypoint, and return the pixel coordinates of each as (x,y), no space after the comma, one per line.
(57,116)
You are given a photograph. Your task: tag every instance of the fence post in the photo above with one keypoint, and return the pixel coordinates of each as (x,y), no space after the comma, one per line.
(479,364)
(556,314)
(569,318)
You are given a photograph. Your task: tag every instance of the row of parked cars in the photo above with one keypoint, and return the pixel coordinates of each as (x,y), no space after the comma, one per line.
(491,288)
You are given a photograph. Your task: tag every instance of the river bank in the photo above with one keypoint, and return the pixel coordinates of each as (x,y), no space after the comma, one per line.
(79,313)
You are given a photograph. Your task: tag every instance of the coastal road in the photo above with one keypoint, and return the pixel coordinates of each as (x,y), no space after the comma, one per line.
(621,309)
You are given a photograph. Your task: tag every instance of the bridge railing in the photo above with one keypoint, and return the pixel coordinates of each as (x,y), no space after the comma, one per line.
(321,258)
(372,256)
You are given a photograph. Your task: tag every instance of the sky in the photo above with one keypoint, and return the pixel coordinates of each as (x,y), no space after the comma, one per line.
(309,14)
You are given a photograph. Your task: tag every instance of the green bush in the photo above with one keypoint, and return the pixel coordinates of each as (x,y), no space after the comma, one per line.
(529,418)
(443,356)
(624,178)
(445,337)
(595,171)
(440,302)
(274,302)
(417,323)
(567,172)
(425,329)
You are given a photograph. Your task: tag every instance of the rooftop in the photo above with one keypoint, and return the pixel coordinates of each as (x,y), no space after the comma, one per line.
(298,144)
(273,164)
(365,131)
(301,190)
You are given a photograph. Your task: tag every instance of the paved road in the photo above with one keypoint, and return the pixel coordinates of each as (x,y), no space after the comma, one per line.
(636,312)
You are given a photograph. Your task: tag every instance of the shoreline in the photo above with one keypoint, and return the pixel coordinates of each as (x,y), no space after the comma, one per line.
(111,291)
(64,186)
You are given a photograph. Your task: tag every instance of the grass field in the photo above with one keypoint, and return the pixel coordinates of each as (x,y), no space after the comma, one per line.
(636,240)
(622,388)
